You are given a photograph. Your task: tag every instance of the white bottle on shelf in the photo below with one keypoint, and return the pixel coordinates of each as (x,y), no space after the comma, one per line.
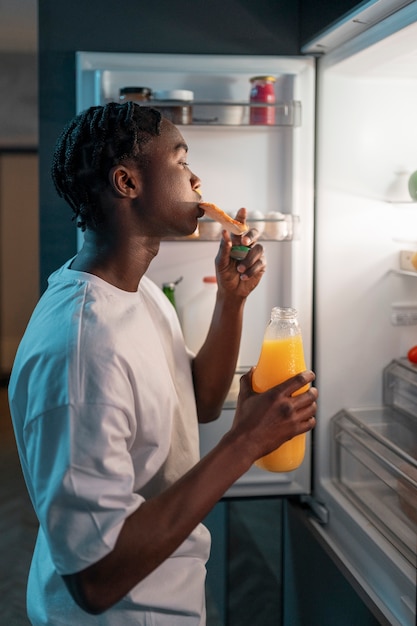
(197,314)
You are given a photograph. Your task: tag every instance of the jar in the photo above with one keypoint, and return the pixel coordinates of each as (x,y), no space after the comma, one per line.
(281,357)
(136,94)
(175,105)
(262,91)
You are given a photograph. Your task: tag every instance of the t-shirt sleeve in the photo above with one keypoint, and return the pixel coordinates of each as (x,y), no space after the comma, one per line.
(83,481)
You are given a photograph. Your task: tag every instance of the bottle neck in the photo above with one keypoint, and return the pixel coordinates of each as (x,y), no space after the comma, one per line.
(283,323)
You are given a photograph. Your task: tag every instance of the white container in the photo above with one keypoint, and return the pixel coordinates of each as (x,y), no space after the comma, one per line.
(174,104)
(197,314)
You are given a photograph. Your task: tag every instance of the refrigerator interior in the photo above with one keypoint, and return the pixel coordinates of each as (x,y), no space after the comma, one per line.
(263,168)
(364,301)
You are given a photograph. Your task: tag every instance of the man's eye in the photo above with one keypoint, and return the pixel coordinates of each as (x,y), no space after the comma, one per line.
(184,164)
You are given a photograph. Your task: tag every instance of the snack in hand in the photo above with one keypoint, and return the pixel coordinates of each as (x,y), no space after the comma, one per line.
(213,211)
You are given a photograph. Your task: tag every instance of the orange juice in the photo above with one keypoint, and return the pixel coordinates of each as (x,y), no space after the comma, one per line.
(280,359)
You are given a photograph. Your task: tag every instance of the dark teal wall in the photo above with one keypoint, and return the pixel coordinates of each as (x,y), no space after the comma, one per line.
(315,17)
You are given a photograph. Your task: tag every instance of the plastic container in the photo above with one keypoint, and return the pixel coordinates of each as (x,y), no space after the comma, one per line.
(282,356)
(175,105)
(197,314)
(262,91)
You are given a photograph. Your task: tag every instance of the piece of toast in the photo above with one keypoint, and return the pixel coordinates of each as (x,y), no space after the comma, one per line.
(213,211)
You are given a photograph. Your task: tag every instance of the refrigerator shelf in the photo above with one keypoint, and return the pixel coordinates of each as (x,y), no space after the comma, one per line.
(375,466)
(404,273)
(238,113)
(227,113)
(286,228)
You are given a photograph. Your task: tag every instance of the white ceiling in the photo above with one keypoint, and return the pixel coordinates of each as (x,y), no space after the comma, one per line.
(18,26)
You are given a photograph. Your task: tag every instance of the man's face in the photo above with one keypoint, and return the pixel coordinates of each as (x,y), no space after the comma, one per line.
(168,198)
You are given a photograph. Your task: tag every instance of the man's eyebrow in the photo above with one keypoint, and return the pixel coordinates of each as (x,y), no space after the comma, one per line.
(181,146)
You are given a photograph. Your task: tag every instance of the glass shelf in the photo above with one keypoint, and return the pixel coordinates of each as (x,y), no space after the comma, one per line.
(228,113)
(404,273)
(285,229)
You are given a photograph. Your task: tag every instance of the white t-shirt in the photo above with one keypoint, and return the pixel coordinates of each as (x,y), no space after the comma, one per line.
(103,406)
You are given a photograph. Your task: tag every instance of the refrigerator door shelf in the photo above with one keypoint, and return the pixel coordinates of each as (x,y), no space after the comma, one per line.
(376,468)
(232,113)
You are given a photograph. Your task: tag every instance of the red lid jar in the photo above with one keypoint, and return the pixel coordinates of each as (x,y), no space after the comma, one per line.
(262,91)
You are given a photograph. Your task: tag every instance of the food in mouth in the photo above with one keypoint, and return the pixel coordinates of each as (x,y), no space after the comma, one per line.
(213,211)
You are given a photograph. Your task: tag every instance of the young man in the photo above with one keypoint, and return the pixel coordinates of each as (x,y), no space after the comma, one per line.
(106,399)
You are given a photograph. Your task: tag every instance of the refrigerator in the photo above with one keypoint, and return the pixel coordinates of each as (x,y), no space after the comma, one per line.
(334,171)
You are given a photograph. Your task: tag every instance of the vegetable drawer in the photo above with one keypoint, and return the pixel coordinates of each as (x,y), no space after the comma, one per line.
(375,466)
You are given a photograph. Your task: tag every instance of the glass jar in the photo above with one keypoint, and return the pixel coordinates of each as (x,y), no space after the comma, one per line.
(262,91)
(281,357)
(136,94)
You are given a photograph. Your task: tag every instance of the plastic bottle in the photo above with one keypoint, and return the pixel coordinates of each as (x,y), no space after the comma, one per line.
(197,314)
(281,357)
(262,90)
(169,290)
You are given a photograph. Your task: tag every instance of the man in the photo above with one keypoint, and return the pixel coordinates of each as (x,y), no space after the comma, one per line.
(106,399)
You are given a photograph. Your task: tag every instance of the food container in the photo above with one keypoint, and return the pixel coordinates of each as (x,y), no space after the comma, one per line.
(375,466)
(400,387)
(262,91)
(175,105)
(136,94)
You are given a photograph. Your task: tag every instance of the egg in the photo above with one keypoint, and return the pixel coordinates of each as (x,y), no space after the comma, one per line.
(275,226)
(209,229)
(256,219)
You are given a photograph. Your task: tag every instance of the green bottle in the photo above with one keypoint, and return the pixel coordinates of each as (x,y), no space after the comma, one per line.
(169,291)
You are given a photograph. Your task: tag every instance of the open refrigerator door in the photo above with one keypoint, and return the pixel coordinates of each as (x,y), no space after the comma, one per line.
(366,441)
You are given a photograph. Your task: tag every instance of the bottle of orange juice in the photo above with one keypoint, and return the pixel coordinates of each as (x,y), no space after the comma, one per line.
(281,357)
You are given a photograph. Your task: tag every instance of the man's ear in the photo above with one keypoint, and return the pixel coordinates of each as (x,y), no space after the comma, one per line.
(124,181)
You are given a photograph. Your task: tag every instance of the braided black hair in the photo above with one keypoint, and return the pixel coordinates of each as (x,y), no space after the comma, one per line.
(90,145)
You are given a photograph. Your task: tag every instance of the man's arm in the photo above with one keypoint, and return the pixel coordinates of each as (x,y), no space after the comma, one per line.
(215,364)
(159,526)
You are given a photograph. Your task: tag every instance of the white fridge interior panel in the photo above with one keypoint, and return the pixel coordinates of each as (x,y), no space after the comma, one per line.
(243,169)
(366,135)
